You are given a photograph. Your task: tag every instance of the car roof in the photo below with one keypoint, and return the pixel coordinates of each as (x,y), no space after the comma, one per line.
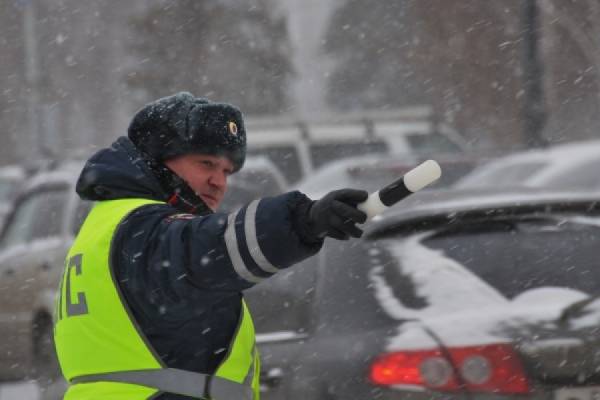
(352,125)
(551,160)
(66,172)
(445,205)
(315,184)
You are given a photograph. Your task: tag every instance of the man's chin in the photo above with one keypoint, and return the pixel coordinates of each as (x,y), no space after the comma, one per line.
(213,204)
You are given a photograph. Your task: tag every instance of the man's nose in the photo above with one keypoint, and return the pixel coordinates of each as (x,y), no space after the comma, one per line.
(218,179)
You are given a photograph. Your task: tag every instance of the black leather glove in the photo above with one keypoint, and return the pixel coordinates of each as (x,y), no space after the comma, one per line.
(335,215)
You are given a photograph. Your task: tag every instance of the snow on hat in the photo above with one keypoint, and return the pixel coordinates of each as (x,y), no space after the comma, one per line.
(183,124)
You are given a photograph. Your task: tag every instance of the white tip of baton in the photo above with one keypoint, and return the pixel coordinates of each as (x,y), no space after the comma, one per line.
(422,175)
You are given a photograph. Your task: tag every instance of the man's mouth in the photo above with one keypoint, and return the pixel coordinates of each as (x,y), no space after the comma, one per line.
(209,198)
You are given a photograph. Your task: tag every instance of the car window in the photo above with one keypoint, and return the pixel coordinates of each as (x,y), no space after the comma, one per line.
(516,256)
(322,153)
(283,302)
(285,157)
(38,215)
(440,270)
(50,214)
(18,226)
(434,143)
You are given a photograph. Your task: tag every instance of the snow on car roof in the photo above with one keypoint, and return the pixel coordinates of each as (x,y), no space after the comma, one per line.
(446,203)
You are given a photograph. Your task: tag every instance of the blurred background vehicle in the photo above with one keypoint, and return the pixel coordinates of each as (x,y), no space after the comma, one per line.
(300,148)
(372,172)
(33,244)
(450,295)
(260,177)
(568,166)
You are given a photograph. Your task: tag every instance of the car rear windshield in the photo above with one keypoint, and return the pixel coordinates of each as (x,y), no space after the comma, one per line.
(431,144)
(513,256)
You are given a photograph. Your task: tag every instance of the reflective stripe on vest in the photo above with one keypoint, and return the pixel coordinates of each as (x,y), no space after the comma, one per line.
(177,381)
(97,337)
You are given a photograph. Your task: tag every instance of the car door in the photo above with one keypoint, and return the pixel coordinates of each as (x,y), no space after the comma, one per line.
(351,321)
(33,245)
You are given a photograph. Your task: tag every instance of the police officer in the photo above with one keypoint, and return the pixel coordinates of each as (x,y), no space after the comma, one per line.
(151,303)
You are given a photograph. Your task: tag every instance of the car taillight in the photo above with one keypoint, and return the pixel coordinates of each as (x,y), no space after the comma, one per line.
(490,368)
(421,368)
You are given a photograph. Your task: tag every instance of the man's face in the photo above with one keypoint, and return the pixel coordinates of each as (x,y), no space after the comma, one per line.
(205,174)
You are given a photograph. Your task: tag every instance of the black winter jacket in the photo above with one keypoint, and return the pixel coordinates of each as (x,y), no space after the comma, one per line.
(180,276)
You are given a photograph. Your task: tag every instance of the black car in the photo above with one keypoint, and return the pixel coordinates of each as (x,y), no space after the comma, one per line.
(449,295)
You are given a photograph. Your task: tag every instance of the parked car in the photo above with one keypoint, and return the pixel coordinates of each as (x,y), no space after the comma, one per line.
(258,178)
(568,166)
(33,245)
(448,295)
(374,171)
(299,147)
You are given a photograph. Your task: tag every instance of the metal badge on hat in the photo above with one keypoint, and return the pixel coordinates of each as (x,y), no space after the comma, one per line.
(233,128)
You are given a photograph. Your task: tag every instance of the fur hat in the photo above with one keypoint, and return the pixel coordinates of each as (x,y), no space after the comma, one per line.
(183,124)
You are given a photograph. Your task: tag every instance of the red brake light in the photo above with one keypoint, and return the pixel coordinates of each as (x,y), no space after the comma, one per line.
(421,368)
(490,368)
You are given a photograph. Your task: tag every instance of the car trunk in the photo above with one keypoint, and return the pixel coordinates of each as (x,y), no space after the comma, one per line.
(552,351)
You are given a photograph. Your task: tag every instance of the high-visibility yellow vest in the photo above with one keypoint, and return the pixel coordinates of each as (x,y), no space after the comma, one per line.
(101,350)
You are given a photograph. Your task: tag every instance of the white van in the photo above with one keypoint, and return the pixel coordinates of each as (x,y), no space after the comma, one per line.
(299,147)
